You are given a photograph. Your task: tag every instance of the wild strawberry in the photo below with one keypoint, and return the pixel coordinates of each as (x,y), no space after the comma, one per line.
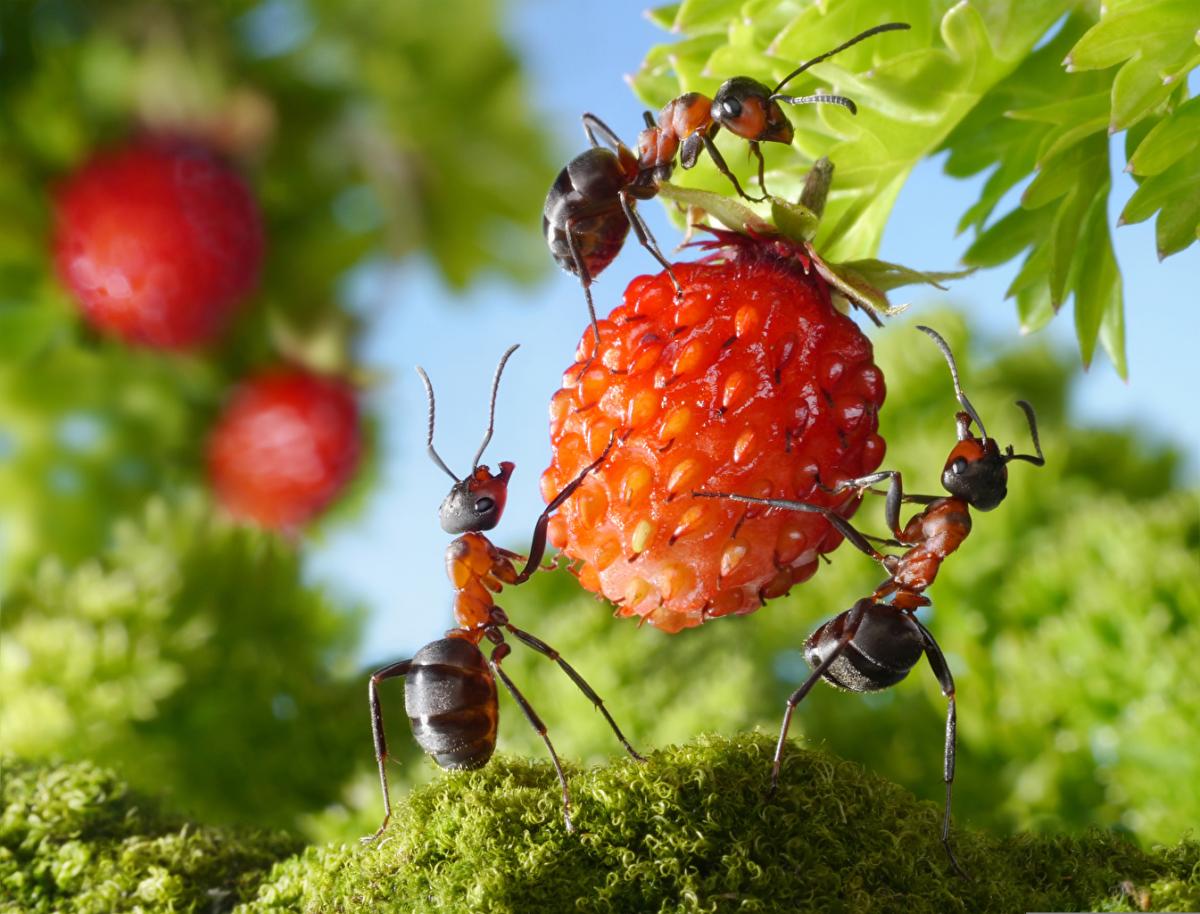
(285,446)
(159,241)
(755,384)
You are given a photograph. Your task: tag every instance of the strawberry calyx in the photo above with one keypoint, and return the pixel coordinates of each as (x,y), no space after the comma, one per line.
(862,284)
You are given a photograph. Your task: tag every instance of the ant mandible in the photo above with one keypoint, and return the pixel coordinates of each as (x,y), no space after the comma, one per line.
(450,688)
(874,644)
(591,205)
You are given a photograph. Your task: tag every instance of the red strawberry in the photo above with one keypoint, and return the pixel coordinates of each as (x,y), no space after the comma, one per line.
(753,384)
(285,446)
(159,241)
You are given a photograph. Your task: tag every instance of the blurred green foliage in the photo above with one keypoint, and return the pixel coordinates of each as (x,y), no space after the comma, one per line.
(137,628)
(361,136)
(1070,618)
(1015,89)
(157,657)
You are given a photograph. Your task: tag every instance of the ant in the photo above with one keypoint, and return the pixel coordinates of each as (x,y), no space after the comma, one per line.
(591,205)
(450,688)
(874,644)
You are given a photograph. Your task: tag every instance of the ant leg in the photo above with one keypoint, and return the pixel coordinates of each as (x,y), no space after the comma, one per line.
(537,549)
(592,123)
(543,648)
(895,495)
(854,618)
(381,753)
(646,239)
(719,161)
(853,537)
(937,661)
(499,652)
(585,278)
(762,184)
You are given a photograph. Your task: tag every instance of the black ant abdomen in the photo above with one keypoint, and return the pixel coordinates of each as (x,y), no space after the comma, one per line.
(451,701)
(884,649)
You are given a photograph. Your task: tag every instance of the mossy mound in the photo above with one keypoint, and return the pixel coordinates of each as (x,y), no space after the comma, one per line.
(74,839)
(691,831)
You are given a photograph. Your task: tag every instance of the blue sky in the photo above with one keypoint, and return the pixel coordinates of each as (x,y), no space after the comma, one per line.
(576,53)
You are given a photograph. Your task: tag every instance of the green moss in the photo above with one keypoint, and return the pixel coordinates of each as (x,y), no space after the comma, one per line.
(692,830)
(689,831)
(75,840)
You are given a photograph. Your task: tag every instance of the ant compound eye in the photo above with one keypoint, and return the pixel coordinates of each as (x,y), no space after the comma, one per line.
(484,505)
(731,107)
(959,466)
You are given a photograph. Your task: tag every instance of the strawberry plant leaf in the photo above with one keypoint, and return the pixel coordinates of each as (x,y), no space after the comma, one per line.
(1168,141)
(1011,90)
(1175,195)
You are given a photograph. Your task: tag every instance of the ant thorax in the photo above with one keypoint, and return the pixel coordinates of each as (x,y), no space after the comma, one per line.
(476,569)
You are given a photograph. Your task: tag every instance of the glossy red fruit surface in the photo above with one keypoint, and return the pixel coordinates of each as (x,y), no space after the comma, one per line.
(159,241)
(285,446)
(753,384)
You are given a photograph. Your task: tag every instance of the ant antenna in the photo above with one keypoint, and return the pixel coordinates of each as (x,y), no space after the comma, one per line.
(433,455)
(836,99)
(816,100)
(958,391)
(1031,416)
(487,436)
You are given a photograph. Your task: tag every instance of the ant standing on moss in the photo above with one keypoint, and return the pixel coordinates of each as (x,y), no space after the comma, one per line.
(591,205)
(874,644)
(450,688)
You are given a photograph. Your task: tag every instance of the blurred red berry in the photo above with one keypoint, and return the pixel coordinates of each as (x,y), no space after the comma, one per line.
(284,447)
(159,241)
(752,384)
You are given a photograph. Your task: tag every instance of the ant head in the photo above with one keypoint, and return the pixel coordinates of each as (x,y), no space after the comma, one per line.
(767,100)
(744,107)
(476,503)
(976,471)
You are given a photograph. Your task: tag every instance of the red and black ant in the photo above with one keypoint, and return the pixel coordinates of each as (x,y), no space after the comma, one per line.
(450,688)
(591,205)
(874,644)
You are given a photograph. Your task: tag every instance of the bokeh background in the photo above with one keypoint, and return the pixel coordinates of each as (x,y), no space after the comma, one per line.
(401,152)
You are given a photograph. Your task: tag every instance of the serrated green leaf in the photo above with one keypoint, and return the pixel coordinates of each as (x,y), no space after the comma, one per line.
(1176,192)
(702,15)
(1141,86)
(1056,177)
(887,276)
(1098,282)
(1034,307)
(663,16)
(1169,140)
(1132,29)
(1004,240)
(1032,275)
(1112,334)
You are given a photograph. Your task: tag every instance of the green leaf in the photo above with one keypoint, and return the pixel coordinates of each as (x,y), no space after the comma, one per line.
(1034,307)
(1170,140)
(1154,40)
(1098,285)
(729,211)
(1175,195)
